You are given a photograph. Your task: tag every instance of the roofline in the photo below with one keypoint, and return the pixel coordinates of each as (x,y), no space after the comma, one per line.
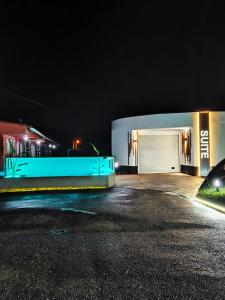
(14,123)
(32,129)
(170,113)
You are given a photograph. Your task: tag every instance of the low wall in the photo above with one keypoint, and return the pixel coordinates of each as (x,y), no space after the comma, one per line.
(56,183)
(58,166)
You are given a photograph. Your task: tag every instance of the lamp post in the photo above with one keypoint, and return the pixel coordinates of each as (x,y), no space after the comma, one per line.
(26,139)
(38,148)
(50,149)
(68,151)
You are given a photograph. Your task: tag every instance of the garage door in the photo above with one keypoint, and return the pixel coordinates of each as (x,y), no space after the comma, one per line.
(158,154)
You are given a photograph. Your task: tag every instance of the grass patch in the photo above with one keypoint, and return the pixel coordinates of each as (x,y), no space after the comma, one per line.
(217,197)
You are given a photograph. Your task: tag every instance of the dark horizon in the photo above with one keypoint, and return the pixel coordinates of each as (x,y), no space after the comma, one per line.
(94,62)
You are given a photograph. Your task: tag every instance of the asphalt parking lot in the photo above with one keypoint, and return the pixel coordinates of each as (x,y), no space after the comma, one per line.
(124,243)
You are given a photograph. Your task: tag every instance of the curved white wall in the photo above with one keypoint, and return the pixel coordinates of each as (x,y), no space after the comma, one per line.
(121,127)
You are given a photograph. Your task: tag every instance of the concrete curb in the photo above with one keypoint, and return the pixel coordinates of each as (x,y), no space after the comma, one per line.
(16,185)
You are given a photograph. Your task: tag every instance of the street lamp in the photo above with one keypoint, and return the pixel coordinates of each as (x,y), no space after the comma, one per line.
(50,149)
(25,138)
(38,142)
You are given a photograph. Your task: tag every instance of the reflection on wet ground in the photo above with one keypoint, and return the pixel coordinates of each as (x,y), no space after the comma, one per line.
(70,201)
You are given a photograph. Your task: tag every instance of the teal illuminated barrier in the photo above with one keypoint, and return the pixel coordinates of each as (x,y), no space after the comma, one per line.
(58,166)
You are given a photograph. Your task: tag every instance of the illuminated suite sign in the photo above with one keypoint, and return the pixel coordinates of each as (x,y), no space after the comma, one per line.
(204,143)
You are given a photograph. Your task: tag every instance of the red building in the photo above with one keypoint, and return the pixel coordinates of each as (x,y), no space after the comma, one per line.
(23,140)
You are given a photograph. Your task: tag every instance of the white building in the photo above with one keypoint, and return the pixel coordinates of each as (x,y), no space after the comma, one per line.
(191,143)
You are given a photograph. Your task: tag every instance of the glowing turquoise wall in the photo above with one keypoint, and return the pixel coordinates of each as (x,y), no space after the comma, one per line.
(58,166)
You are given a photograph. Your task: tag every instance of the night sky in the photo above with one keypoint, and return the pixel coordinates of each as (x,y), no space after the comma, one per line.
(96,61)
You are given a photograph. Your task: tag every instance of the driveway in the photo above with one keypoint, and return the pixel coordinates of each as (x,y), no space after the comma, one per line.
(178,183)
(123,243)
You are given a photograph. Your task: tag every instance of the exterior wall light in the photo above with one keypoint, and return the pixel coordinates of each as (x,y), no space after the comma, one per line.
(53,146)
(38,142)
(50,145)
(25,138)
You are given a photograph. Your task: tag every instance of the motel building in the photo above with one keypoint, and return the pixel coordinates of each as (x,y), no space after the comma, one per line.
(191,143)
(21,140)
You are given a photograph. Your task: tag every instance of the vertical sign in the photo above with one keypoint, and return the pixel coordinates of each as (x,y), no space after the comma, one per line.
(204,143)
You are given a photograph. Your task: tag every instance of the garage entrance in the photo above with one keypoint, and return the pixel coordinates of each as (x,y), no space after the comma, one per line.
(158,153)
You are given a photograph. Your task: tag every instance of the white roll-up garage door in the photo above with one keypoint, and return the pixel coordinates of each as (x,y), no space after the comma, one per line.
(158,154)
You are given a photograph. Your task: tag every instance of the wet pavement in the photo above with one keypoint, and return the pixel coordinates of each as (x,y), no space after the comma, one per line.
(178,183)
(123,243)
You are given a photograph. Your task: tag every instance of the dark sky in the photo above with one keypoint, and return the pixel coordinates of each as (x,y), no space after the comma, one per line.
(97,61)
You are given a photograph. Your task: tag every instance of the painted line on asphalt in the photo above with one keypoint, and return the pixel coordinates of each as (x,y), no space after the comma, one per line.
(78,211)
